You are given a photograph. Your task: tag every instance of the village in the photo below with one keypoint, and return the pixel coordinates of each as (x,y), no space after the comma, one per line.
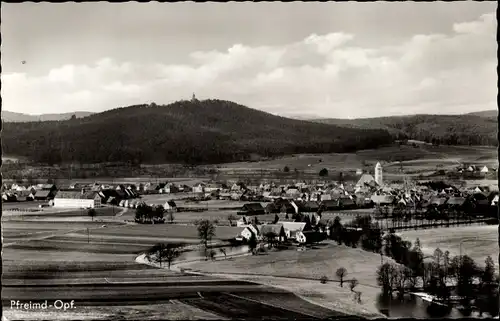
(296,211)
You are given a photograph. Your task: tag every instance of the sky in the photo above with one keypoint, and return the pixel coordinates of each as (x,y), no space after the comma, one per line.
(329,60)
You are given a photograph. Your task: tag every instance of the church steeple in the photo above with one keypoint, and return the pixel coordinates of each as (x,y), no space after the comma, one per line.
(193,99)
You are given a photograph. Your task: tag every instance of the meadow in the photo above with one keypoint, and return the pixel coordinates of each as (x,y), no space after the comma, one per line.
(476,241)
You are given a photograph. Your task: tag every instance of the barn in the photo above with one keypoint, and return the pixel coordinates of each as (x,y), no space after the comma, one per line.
(77,199)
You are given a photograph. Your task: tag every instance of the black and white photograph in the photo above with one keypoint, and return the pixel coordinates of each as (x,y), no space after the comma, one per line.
(249,160)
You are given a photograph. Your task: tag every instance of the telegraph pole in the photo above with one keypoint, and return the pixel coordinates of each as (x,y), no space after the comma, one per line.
(88,235)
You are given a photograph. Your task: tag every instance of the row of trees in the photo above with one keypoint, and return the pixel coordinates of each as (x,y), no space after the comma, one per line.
(475,285)
(410,272)
(146,214)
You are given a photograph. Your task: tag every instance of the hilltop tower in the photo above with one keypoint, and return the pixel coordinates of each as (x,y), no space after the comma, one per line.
(378,174)
(193,99)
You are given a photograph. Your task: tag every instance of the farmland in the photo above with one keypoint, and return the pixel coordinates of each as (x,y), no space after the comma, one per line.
(49,260)
(477,241)
(292,270)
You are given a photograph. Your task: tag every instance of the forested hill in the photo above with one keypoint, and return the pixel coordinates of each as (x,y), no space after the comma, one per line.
(9,116)
(466,129)
(209,131)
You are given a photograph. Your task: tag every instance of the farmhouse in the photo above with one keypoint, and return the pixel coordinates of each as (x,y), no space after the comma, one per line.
(329,205)
(291,229)
(277,229)
(43,195)
(383,199)
(170,206)
(77,199)
(247,233)
(250,209)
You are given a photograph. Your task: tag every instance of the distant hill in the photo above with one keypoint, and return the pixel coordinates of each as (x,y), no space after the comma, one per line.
(209,131)
(9,116)
(485,113)
(469,129)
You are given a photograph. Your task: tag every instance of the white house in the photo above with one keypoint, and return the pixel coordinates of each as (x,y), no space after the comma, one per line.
(291,228)
(494,201)
(248,231)
(77,199)
(198,188)
(300,237)
(484,169)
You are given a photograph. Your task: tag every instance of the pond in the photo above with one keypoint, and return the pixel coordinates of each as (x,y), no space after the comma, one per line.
(414,307)
(199,254)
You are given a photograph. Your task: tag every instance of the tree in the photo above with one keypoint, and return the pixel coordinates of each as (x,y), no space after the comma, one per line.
(158,213)
(206,231)
(223,251)
(92,213)
(231,218)
(164,252)
(286,169)
(270,238)
(323,172)
(385,274)
(488,275)
(341,273)
(212,255)
(252,244)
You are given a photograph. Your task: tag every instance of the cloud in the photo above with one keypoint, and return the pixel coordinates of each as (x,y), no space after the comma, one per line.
(323,75)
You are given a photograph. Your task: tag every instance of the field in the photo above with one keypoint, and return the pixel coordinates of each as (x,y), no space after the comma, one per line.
(422,160)
(291,270)
(50,260)
(477,241)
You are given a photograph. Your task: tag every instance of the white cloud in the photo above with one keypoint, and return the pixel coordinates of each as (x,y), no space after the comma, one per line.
(321,74)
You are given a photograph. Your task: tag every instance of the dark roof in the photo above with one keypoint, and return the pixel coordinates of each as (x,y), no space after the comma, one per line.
(276,228)
(329,204)
(76,195)
(42,193)
(455,201)
(346,201)
(252,207)
(172,203)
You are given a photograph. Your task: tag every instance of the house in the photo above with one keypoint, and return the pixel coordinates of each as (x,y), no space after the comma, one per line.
(170,206)
(247,233)
(309,206)
(366,180)
(455,202)
(346,202)
(291,229)
(277,229)
(198,188)
(383,199)
(329,205)
(43,195)
(77,199)
(24,195)
(308,237)
(250,209)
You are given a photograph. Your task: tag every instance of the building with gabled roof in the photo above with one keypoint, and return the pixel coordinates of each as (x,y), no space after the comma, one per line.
(77,199)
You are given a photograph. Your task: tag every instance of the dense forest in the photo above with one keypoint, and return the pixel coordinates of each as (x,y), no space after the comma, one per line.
(469,129)
(209,131)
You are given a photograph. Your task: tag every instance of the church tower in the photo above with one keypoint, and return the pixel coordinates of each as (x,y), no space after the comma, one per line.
(378,174)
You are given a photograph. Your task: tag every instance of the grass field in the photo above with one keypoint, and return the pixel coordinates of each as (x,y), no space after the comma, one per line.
(283,266)
(477,241)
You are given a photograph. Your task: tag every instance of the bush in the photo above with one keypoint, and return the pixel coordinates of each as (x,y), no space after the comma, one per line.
(323,172)
(323,279)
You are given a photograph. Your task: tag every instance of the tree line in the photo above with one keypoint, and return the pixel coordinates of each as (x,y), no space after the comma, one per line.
(211,131)
(475,285)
